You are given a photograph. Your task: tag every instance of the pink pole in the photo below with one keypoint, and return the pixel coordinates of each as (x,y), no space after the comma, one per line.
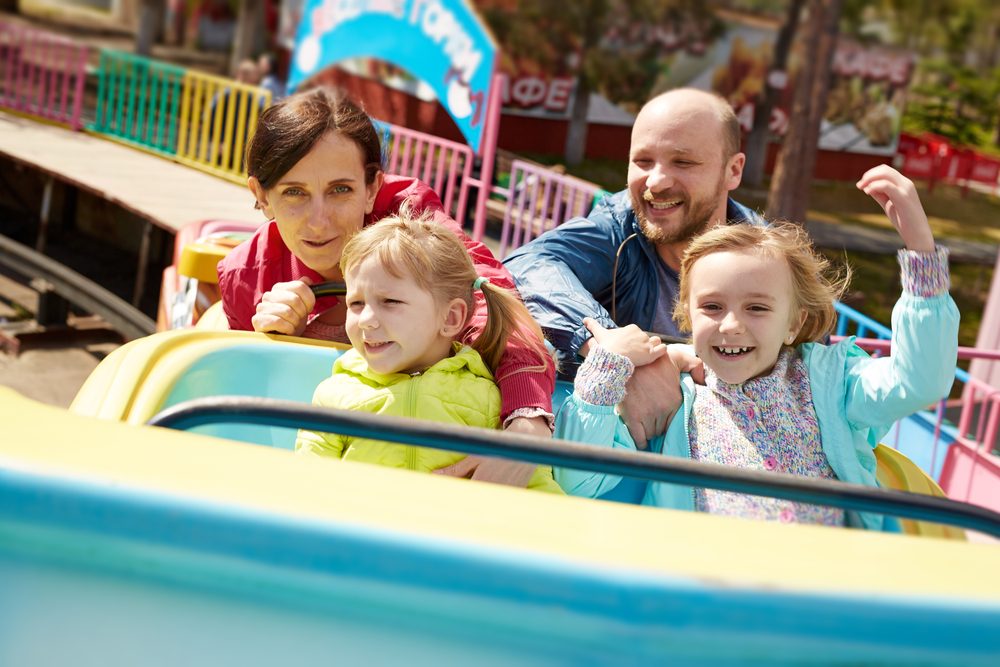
(488,150)
(989,333)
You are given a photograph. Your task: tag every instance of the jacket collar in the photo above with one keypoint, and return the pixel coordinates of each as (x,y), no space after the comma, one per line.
(464,357)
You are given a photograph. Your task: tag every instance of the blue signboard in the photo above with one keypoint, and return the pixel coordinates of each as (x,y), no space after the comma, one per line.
(441,42)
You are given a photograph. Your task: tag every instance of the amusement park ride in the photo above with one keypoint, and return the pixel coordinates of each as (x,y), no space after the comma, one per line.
(163,520)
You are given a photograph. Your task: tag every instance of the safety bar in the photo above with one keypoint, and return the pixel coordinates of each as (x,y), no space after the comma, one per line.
(329,288)
(644,465)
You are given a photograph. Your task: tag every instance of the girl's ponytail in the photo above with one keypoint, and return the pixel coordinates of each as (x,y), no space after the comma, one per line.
(507,317)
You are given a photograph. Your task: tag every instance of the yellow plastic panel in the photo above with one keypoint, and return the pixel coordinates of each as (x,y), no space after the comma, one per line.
(719,551)
(199,260)
(132,383)
(896,471)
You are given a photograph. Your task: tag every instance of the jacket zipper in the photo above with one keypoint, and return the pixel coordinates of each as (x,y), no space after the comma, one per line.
(687,440)
(411,451)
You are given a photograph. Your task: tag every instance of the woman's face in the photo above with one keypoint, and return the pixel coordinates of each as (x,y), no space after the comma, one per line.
(321,202)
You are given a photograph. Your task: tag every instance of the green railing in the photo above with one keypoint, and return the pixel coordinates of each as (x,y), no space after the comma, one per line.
(138,101)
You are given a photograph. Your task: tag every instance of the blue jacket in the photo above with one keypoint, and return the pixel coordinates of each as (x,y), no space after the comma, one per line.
(856,398)
(568,274)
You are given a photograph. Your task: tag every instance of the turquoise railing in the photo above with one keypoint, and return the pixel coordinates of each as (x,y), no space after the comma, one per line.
(138,101)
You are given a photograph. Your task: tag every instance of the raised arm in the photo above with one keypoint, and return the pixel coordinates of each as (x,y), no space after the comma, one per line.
(925,320)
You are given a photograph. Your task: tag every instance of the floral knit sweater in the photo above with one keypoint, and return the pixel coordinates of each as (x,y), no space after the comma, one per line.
(767,423)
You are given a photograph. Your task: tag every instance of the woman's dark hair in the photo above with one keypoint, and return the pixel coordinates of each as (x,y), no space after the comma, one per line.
(289,129)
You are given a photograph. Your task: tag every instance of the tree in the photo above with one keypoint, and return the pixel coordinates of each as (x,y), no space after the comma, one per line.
(150,26)
(759,136)
(789,194)
(606,44)
(249,32)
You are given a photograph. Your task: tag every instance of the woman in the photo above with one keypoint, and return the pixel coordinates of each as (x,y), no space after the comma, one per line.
(314,166)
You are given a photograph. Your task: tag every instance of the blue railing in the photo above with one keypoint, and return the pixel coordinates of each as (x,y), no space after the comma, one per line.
(866,327)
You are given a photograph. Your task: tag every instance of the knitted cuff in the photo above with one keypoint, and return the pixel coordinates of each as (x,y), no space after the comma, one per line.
(531,413)
(924,273)
(602,377)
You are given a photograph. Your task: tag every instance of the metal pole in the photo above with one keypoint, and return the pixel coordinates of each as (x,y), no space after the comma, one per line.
(44,215)
(140,275)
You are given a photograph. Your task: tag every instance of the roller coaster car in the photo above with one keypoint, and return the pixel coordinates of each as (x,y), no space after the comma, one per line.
(246,552)
(146,376)
(190,285)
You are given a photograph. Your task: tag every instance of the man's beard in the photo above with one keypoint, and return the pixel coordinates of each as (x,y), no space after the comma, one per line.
(696,220)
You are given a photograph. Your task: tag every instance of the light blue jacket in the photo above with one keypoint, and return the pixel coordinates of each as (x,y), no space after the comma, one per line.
(857,399)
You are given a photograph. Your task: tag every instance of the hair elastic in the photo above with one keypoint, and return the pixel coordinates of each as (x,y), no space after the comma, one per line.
(478,283)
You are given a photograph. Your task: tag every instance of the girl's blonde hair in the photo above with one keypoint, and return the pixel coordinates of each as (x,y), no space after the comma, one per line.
(414,246)
(815,284)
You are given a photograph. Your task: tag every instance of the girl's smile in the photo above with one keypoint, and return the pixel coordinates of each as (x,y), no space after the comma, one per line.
(395,324)
(743,310)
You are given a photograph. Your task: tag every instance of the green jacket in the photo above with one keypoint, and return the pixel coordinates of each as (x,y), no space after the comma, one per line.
(458,390)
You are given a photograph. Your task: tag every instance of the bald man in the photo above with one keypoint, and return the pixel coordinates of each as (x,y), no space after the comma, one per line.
(619,264)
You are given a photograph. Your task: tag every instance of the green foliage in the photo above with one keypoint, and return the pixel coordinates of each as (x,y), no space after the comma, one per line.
(953,101)
(616,46)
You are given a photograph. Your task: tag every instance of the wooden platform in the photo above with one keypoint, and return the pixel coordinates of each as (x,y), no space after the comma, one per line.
(167,194)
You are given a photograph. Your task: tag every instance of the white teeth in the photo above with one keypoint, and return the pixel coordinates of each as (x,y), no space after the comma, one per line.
(661,205)
(733,350)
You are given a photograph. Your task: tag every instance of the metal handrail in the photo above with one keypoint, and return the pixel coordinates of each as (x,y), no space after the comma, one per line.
(644,465)
(76,289)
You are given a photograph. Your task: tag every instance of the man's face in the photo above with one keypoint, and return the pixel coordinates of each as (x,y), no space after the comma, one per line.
(678,177)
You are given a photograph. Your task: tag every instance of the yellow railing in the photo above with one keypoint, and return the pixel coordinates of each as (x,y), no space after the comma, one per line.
(218,116)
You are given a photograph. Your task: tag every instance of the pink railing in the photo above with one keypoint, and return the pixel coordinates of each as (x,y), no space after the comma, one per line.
(538,200)
(42,74)
(444,165)
(970,471)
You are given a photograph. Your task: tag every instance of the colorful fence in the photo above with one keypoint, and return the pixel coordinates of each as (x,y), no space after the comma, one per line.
(218,116)
(42,74)
(444,165)
(539,199)
(138,101)
(971,469)
(200,120)
(963,457)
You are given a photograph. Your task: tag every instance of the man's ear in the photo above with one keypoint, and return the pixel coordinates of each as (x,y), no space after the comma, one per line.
(455,317)
(734,171)
(371,191)
(261,196)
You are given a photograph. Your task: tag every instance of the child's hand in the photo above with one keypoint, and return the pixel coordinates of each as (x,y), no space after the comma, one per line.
(684,358)
(898,197)
(630,341)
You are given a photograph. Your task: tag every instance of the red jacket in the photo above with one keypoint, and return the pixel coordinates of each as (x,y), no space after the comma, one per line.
(256,265)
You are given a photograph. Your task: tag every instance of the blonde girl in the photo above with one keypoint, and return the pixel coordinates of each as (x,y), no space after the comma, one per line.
(411,289)
(757,303)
